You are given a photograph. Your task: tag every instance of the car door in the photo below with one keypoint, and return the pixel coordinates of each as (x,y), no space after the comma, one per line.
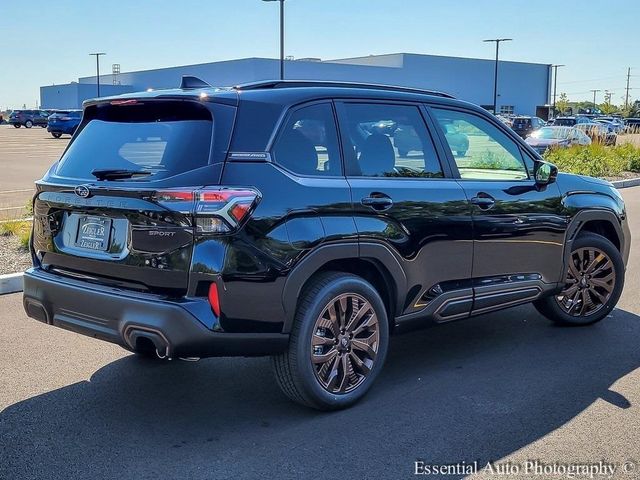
(406,201)
(518,226)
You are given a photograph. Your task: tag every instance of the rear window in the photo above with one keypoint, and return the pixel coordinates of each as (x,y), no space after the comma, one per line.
(161,141)
(522,122)
(567,122)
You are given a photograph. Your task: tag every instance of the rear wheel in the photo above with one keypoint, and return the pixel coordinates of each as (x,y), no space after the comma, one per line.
(28,124)
(56,134)
(338,343)
(595,277)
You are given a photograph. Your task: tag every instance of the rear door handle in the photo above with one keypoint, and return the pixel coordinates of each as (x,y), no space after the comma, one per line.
(377,201)
(484,201)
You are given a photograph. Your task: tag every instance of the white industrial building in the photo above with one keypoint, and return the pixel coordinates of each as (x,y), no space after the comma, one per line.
(523,88)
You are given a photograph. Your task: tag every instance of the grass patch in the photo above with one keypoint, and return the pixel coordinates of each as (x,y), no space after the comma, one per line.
(596,160)
(17,228)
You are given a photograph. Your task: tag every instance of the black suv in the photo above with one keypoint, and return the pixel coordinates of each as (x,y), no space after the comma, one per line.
(273,219)
(525,126)
(29,118)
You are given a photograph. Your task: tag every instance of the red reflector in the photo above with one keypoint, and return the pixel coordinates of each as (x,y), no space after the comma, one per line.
(214,300)
(239,210)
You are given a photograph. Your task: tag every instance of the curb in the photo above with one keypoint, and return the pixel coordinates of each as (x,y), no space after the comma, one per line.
(11,283)
(632,182)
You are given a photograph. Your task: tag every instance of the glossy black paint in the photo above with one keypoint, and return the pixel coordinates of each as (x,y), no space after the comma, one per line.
(433,252)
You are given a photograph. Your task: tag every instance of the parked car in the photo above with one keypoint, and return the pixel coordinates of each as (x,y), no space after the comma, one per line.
(598,132)
(64,122)
(28,118)
(264,220)
(571,121)
(614,124)
(524,126)
(556,137)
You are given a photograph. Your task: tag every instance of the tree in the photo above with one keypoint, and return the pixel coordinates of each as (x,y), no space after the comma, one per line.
(607,108)
(562,104)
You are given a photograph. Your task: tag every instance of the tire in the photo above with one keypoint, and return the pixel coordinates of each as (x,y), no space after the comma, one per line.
(56,134)
(28,124)
(311,383)
(17,125)
(569,308)
(462,153)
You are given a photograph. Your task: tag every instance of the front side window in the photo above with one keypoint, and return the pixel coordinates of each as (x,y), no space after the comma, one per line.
(481,151)
(308,143)
(388,141)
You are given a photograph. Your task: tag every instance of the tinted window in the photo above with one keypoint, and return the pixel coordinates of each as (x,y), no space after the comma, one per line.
(162,148)
(490,153)
(308,142)
(522,122)
(388,141)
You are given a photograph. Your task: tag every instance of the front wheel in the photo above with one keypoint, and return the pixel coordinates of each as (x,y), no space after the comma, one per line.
(56,134)
(28,124)
(338,343)
(17,125)
(594,282)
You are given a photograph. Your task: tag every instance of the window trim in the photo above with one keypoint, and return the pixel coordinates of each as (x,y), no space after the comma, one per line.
(279,131)
(344,135)
(496,123)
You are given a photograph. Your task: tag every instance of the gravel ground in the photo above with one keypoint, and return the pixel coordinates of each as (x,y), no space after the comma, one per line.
(13,258)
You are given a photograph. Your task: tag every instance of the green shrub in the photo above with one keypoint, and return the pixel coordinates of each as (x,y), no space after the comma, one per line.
(596,160)
(18,228)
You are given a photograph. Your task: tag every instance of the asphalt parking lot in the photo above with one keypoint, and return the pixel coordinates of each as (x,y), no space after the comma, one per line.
(25,154)
(505,387)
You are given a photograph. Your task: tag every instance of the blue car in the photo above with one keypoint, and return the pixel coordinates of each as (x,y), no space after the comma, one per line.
(64,121)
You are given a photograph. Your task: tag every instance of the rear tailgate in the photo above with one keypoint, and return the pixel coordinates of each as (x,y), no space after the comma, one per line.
(115,235)
(94,222)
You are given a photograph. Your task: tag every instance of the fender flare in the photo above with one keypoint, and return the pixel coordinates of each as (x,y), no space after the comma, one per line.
(576,224)
(324,254)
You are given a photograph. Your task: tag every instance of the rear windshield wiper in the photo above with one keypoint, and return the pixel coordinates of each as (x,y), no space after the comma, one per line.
(117,173)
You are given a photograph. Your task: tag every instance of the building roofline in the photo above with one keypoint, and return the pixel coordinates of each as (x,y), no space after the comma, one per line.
(338,60)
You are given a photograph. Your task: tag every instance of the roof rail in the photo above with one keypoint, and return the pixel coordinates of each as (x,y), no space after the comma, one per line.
(323,83)
(189,81)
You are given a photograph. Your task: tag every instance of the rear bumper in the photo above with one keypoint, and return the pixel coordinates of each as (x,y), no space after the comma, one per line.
(66,129)
(124,317)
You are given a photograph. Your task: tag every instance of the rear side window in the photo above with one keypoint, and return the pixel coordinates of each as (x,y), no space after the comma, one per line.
(161,140)
(388,141)
(308,142)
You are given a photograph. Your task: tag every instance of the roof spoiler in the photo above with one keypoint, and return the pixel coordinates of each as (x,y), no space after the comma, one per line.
(189,82)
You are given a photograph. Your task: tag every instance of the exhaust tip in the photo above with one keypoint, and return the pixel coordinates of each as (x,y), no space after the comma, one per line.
(144,340)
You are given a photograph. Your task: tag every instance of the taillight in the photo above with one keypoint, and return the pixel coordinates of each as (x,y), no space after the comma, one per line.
(215,210)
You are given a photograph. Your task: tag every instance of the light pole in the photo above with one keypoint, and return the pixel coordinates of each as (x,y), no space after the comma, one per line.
(555,84)
(281,36)
(97,55)
(594,100)
(495,75)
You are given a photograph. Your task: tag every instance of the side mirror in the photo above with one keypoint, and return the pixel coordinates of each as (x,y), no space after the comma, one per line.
(545,173)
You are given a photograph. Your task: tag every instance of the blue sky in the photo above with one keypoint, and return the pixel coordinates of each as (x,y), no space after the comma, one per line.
(47,42)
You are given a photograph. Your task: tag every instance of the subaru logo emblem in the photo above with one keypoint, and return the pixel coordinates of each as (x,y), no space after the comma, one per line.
(82,191)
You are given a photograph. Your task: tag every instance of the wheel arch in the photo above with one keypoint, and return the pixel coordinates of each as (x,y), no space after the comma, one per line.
(373,262)
(603,222)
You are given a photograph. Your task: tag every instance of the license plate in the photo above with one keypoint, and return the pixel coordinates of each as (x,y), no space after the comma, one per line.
(93,233)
